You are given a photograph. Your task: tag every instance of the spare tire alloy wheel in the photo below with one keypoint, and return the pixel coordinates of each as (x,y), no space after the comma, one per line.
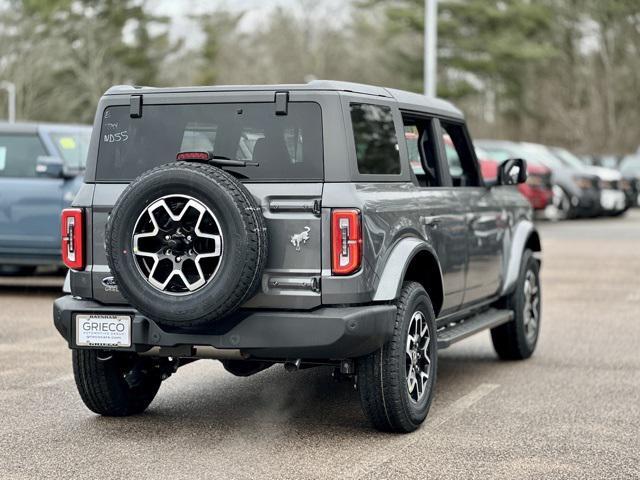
(186,244)
(178,244)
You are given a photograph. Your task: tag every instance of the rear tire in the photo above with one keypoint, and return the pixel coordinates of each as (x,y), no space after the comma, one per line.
(384,376)
(517,339)
(100,378)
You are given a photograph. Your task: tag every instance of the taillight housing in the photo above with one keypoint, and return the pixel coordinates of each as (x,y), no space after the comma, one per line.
(73,238)
(346,241)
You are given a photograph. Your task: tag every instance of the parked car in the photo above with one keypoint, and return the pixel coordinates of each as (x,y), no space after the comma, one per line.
(322,247)
(630,170)
(41,168)
(576,193)
(538,188)
(612,196)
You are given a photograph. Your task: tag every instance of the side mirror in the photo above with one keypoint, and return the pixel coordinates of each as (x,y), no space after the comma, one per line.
(51,167)
(512,172)
(54,167)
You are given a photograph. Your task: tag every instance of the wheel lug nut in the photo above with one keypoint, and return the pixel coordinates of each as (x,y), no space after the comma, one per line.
(189,238)
(167,237)
(168,252)
(178,259)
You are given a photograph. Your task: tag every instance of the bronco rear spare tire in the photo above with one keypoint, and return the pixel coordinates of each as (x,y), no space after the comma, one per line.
(186,244)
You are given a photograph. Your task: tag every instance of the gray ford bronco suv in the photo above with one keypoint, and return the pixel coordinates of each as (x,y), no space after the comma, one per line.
(316,224)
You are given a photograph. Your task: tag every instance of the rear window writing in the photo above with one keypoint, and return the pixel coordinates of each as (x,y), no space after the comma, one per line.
(284,147)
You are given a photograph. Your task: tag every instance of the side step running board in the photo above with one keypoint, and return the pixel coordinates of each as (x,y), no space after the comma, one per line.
(465,328)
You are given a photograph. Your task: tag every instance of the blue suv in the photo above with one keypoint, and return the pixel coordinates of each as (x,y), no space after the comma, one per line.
(41,169)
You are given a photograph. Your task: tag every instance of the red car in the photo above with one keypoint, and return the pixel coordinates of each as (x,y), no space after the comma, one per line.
(538,187)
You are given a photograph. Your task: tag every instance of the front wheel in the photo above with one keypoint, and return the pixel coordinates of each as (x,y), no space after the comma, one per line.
(115,384)
(517,339)
(396,382)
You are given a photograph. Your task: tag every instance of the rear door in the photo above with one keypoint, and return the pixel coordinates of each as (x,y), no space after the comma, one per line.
(284,172)
(29,205)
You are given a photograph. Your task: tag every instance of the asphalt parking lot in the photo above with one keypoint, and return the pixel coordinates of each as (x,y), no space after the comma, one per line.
(571,411)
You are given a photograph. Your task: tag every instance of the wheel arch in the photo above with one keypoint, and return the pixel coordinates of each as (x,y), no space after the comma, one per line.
(525,237)
(411,259)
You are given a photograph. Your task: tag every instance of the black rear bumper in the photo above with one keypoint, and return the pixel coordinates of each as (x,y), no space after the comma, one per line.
(322,334)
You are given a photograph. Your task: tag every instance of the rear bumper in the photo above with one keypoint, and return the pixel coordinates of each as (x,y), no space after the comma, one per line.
(322,334)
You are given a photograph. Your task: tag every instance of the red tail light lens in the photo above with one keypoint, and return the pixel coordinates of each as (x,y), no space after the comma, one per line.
(346,241)
(73,238)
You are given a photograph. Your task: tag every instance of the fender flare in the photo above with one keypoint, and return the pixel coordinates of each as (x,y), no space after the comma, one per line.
(396,266)
(523,232)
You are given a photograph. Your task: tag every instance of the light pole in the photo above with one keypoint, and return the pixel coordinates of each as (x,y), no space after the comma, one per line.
(430,43)
(11,99)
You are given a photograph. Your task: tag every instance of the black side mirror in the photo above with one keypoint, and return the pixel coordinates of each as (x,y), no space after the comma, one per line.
(512,172)
(51,167)
(54,167)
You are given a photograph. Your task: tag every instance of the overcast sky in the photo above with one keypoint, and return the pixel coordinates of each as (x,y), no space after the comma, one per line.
(181,10)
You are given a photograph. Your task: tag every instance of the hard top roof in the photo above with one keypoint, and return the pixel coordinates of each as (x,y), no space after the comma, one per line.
(401,96)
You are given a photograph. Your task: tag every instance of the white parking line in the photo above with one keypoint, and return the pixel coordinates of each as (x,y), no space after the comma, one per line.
(399,447)
(462,404)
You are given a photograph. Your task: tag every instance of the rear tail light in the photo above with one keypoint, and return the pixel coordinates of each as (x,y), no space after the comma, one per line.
(73,238)
(346,241)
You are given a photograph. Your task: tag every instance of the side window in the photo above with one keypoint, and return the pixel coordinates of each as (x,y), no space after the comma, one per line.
(375,137)
(421,151)
(19,154)
(462,166)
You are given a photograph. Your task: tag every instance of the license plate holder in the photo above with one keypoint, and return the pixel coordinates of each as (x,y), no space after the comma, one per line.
(103,330)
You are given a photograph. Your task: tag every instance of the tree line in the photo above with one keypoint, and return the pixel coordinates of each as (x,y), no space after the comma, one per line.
(561,72)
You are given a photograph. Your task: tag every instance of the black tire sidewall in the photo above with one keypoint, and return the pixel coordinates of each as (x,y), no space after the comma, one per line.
(418,299)
(517,302)
(133,285)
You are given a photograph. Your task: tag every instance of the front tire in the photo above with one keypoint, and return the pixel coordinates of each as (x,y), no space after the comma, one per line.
(396,383)
(517,339)
(114,384)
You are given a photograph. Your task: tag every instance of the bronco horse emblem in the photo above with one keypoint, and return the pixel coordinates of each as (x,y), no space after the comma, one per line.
(300,238)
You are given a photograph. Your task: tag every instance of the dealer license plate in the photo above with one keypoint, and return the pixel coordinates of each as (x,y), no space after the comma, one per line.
(103,330)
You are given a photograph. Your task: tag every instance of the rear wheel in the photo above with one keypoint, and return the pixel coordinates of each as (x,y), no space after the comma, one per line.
(517,339)
(115,384)
(396,383)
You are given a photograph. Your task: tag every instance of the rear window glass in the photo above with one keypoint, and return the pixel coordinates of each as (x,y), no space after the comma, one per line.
(375,137)
(279,147)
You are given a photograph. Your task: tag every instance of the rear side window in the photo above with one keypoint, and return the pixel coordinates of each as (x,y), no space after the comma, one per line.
(276,147)
(19,154)
(375,138)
